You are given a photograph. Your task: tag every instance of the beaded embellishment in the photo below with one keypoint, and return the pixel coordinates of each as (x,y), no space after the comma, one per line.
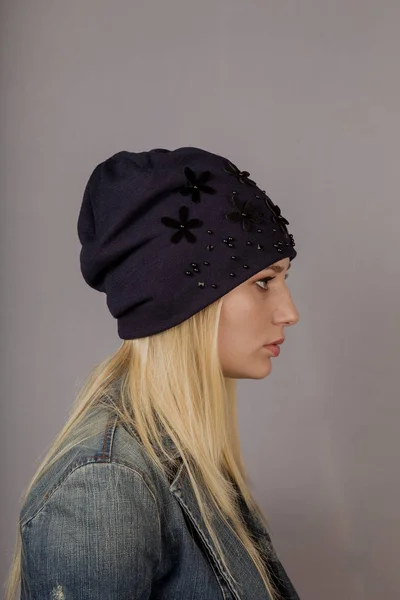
(244,213)
(276,214)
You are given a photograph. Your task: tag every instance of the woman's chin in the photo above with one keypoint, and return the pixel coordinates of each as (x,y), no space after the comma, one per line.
(253,372)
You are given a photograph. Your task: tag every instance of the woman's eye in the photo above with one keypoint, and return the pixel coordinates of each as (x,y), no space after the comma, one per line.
(267,279)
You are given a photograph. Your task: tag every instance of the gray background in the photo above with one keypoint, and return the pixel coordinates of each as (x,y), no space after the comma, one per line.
(304,95)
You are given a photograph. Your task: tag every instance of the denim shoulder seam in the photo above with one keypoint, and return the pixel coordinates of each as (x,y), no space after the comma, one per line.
(112,462)
(92,460)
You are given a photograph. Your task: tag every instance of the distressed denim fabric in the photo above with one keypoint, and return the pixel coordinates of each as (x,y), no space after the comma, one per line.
(104,524)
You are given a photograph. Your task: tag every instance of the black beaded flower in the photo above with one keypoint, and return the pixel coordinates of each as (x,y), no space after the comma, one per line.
(244,213)
(195,184)
(183,225)
(243,176)
(276,214)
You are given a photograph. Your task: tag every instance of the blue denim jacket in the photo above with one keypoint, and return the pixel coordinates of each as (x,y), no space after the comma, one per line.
(104,524)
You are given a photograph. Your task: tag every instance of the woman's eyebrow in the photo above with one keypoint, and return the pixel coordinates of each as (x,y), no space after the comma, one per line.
(277,268)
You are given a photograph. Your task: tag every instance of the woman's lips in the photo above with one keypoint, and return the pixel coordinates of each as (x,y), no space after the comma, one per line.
(273,348)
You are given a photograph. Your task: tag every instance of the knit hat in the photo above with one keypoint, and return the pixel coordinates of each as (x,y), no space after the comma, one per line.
(165,233)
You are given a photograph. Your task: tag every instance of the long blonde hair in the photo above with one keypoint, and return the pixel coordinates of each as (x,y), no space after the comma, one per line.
(174,380)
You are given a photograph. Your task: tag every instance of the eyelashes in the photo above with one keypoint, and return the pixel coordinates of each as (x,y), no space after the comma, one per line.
(267,279)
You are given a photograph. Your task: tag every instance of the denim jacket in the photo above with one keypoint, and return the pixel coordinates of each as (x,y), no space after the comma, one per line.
(104,524)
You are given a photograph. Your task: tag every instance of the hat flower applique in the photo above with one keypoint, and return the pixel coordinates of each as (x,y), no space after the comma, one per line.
(196,184)
(183,225)
(276,214)
(242,176)
(244,213)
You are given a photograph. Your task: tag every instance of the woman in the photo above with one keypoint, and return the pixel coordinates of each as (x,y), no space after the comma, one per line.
(144,493)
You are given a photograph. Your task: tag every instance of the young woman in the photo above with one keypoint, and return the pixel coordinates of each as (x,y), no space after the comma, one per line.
(144,493)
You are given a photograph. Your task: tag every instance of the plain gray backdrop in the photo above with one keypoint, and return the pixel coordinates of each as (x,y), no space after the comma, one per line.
(304,95)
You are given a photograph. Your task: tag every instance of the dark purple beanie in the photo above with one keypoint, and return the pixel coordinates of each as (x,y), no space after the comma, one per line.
(165,233)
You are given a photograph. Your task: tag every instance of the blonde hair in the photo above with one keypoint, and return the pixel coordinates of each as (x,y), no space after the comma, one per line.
(173,379)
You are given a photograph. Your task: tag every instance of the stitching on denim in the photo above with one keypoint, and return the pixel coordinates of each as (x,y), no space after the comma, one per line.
(218,577)
(105,455)
(228,577)
(126,466)
(109,436)
(176,484)
(82,462)
(181,476)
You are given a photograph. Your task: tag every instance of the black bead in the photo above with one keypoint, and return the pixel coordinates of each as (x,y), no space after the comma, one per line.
(245,266)
(275,245)
(209,231)
(249,243)
(225,241)
(274,230)
(193,264)
(200,284)
(230,238)
(213,285)
(233,257)
(279,250)
(210,247)
(205,262)
(280,243)
(188,273)
(259,230)
(259,247)
(231,245)
(195,269)
(232,274)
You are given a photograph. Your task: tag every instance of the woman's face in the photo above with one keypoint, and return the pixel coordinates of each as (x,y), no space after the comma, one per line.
(253,314)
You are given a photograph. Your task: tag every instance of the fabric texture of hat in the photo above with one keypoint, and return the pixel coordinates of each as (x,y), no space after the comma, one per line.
(165,233)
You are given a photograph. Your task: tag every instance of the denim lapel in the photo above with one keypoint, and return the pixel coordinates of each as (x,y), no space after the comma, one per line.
(250,585)
(239,562)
